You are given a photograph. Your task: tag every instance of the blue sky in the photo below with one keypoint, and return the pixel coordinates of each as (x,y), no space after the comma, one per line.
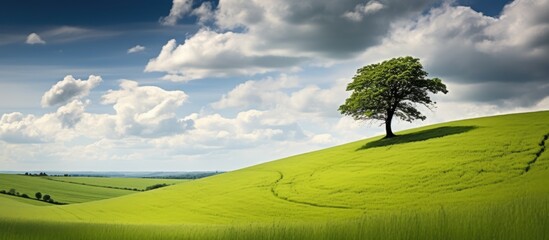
(206,85)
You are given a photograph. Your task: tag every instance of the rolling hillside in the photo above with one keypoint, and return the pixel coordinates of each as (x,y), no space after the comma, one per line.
(460,166)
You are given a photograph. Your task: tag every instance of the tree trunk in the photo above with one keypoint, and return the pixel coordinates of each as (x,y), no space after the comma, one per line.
(388,131)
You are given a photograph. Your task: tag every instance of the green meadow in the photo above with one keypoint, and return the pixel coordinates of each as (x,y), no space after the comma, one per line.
(75,189)
(484,178)
(124,183)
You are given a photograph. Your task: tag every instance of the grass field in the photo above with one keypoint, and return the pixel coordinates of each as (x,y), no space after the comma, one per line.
(517,220)
(132,183)
(73,190)
(483,178)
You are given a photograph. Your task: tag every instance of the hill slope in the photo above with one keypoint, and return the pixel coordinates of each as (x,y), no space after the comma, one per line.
(457,165)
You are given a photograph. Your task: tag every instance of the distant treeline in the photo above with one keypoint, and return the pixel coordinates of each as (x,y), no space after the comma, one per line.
(157,175)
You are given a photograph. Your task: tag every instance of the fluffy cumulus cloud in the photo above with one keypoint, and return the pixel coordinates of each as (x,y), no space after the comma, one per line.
(204,13)
(34,38)
(146,111)
(136,49)
(71,114)
(69,89)
(212,54)
(251,37)
(19,128)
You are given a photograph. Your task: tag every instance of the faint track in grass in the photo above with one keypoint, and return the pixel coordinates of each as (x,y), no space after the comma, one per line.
(540,151)
(275,194)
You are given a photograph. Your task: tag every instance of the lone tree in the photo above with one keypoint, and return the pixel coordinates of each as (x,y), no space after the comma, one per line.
(38,195)
(392,87)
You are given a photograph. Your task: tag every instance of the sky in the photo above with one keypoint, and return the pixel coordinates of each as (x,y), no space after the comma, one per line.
(187,85)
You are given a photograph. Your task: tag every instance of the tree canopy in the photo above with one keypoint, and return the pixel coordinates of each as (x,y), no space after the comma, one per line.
(391,88)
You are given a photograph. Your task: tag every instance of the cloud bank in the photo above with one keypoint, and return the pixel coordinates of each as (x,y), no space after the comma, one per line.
(253,37)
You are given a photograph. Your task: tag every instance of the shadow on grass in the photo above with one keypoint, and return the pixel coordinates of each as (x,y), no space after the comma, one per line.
(418,136)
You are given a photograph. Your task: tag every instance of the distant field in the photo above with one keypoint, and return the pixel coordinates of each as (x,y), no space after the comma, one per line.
(484,178)
(138,183)
(65,192)
(59,191)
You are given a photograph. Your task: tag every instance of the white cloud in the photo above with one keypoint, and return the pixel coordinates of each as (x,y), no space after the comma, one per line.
(34,38)
(57,126)
(212,54)
(69,89)
(71,114)
(204,13)
(179,9)
(287,95)
(362,10)
(18,128)
(136,49)
(146,111)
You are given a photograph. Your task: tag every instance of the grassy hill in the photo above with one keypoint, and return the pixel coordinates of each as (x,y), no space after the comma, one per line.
(459,179)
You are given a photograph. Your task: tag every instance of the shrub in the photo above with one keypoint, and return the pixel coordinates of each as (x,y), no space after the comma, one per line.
(156,186)
(12,191)
(46,197)
(24,195)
